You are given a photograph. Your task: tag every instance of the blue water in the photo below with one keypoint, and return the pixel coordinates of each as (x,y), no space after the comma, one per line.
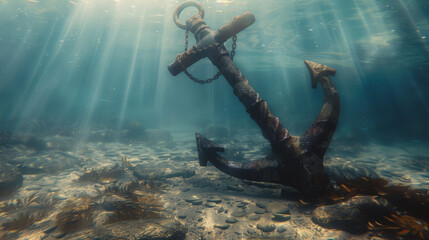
(105,62)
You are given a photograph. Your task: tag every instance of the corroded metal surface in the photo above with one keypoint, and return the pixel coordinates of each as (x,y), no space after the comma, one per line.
(297,161)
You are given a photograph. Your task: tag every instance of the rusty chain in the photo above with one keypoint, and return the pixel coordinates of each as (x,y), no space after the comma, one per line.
(217,75)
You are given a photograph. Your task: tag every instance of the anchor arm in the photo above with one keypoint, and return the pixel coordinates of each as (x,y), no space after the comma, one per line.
(263,170)
(316,139)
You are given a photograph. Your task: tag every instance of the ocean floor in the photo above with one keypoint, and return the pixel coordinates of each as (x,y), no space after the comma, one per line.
(207,203)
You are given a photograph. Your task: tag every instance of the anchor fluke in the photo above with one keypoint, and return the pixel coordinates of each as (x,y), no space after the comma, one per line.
(318,70)
(206,149)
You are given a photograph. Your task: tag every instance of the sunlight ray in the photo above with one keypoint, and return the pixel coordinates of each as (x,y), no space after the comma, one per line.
(99,73)
(132,69)
(46,82)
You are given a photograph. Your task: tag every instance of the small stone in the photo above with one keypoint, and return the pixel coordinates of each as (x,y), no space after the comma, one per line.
(254,217)
(197,202)
(221,209)
(222,226)
(318,229)
(192,199)
(231,220)
(281,228)
(278,208)
(210,204)
(181,216)
(214,200)
(200,219)
(234,188)
(281,217)
(266,227)
(260,211)
(238,212)
(260,205)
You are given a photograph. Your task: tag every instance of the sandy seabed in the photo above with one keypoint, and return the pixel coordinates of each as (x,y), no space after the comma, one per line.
(209,204)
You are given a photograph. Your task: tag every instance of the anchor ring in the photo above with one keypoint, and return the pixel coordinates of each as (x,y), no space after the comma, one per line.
(184,5)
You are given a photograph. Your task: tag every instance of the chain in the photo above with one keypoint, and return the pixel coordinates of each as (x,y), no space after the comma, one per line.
(217,75)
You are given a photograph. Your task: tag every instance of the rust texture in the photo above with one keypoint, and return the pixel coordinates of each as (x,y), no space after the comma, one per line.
(296,161)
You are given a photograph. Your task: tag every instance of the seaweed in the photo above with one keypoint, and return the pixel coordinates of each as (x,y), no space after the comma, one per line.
(23,220)
(76,214)
(144,207)
(141,201)
(134,189)
(400,227)
(105,174)
(101,175)
(31,200)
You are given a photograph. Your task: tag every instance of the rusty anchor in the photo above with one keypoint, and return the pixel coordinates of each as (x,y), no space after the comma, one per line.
(297,161)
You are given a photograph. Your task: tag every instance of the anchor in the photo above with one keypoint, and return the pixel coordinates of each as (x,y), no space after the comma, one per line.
(296,161)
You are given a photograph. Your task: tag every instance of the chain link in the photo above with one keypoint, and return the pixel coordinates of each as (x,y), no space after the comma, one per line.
(217,75)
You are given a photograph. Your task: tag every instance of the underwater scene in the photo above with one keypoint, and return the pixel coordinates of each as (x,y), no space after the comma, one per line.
(214,119)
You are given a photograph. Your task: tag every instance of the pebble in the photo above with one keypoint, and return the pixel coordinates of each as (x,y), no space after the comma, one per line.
(221,209)
(281,228)
(222,226)
(260,205)
(238,212)
(182,216)
(278,208)
(281,217)
(210,204)
(231,220)
(197,202)
(254,217)
(214,200)
(193,199)
(266,227)
(260,211)
(234,188)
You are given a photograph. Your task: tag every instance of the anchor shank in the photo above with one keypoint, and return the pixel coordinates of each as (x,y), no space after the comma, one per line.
(258,109)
